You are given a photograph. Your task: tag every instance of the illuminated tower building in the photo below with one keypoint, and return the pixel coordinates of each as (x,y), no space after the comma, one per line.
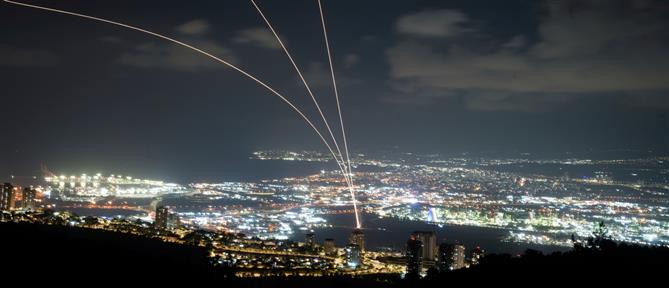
(429,240)
(28,198)
(458,257)
(173,220)
(444,253)
(476,255)
(329,247)
(451,257)
(7,197)
(353,257)
(162,214)
(414,256)
(310,240)
(358,238)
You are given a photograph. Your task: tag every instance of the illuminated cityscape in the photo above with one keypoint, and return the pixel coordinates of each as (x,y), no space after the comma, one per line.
(84,187)
(269,227)
(320,143)
(538,209)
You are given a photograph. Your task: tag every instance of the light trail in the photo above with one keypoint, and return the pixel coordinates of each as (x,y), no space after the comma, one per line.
(299,73)
(341,119)
(341,168)
(347,161)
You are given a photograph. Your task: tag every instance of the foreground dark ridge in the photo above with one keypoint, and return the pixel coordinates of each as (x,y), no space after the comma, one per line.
(609,263)
(68,249)
(60,254)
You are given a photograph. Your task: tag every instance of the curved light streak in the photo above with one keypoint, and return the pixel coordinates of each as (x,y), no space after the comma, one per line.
(299,73)
(341,168)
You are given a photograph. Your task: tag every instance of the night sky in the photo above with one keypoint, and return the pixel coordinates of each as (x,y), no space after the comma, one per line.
(415,76)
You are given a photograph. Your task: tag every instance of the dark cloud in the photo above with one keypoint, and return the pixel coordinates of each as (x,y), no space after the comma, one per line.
(318,74)
(368,38)
(259,37)
(169,56)
(194,27)
(350,60)
(111,39)
(18,57)
(594,47)
(517,42)
(433,23)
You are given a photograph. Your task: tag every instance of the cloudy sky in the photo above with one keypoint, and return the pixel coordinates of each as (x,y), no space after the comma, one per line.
(420,76)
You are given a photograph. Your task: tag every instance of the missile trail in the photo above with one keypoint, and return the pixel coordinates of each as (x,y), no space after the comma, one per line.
(341,119)
(341,168)
(347,161)
(299,73)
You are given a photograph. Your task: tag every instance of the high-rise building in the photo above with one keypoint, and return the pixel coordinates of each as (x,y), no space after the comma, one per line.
(358,238)
(310,240)
(7,197)
(445,257)
(166,219)
(353,256)
(429,240)
(329,247)
(414,256)
(451,257)
(28,198)
(475,255)
(161,217)
(173,220)
(458,256)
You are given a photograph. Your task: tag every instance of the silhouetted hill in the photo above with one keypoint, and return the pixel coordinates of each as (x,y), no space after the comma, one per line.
(70,252)
(612,263)
(43,254)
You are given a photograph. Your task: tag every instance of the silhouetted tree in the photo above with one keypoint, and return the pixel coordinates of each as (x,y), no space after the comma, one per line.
(601,232)
(90,221)
(599,236)
(432,272)
(578,246)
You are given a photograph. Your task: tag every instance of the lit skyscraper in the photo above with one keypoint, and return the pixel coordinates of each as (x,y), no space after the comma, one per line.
(173,220)
(28,198)
(358,238)
(444,264)
(476,255)
(310,240)
(329,247)
(166,219)
(161,217)
(353,256)
(7,197)
(458,257)
(429,240)
(414,256)
(451,256)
